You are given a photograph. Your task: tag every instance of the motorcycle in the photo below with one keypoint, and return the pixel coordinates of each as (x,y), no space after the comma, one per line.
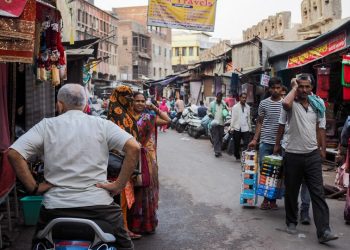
(182,123)
(198,127)
(75,233)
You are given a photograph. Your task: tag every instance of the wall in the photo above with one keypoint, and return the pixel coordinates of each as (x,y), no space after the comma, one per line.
(246,55)
(92,22)
(215,51)
(125,51)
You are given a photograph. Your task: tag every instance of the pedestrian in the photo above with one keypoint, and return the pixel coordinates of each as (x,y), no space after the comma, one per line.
(179,107)
(303,157)
(75,149)
(163,107)
(218,112)
(202,110)
(266,129)
(142,216)
(304,192)
(120,112)
(240,125)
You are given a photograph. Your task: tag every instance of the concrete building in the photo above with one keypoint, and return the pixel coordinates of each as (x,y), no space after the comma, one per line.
(317,17)
(134,51)
(158,44)
(88,22)
(187,47)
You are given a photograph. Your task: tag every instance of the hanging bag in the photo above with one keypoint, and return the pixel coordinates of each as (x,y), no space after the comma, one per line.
(143,178)
(115,162)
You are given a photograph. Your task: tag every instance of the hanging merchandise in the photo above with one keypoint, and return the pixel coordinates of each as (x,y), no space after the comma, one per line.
(346,77)
(323,74)
(51,56)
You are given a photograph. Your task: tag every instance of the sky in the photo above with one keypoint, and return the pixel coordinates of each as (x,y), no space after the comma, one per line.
(234,16)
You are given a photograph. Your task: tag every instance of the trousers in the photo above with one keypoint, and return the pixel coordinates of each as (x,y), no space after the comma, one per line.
(237,136)
(307,167)
(217,133)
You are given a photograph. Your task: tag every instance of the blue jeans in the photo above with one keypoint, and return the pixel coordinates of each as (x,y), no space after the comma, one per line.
(264,150)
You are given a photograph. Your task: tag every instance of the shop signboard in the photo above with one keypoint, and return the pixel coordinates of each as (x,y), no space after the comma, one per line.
(264,80)
(182,14)
(318,51)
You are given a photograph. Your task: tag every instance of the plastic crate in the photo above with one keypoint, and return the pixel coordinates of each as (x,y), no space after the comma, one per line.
(31,209)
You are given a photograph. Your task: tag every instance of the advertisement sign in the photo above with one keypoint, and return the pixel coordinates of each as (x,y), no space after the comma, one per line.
(182,14)
(316,52)
(264,80)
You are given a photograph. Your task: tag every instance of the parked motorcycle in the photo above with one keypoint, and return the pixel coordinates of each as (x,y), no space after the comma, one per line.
(75,233)
(182,123)
(198,127)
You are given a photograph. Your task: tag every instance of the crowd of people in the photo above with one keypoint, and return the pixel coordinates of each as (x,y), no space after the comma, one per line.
(291,124)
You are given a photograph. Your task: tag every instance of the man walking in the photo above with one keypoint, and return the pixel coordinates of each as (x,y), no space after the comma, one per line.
(240,124)
(218,112)
(179,107)
(266,129)
(303,158)
(75,147)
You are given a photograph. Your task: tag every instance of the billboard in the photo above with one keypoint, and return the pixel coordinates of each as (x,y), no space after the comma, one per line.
(182,14)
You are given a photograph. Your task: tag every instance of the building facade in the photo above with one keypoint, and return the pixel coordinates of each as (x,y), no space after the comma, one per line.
(158,44)
(88,22)
(187,47)
(317,17)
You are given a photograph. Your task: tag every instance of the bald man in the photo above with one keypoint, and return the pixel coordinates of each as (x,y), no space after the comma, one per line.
(75,148)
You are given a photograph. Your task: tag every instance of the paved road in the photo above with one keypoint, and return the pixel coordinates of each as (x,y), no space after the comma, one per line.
(199,205)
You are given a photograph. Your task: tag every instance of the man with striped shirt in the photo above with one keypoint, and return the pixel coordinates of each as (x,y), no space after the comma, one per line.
(266,128)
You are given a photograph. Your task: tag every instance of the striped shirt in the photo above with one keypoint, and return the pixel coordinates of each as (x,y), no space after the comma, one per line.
(271,111)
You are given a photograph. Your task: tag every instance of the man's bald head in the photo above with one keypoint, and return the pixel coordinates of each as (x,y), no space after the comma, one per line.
(72,97)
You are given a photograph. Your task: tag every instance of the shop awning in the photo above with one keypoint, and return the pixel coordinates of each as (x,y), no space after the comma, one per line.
(12,8)
(320,47)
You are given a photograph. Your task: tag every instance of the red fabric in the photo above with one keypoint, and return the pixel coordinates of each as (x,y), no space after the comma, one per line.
(346,94)
(347,73)
(7,176)
(13,8)
(323,82)
(4,120)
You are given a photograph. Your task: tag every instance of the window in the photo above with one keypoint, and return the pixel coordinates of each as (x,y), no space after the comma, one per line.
(160,72)
(190,51)
(154,70)
(177,51)
(125,40)
(165,72)
(160,51)
(184,51)
(79,13)
(169,53)
(164,52)
(197,51)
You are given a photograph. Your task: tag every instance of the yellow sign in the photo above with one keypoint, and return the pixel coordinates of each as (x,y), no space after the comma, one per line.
(182,14)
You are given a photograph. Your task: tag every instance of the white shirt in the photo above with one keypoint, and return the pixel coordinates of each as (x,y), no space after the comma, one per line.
(75,148)
(240,120)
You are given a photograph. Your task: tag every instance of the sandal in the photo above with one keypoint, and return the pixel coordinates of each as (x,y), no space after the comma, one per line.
(265,205)
(273,206)
(134,236)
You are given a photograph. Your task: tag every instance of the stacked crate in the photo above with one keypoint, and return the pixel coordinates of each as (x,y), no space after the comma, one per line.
(249,178)
(271,175)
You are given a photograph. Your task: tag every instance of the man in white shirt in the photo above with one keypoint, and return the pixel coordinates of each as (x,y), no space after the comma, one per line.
(304,149)
(240,124)
(75,147)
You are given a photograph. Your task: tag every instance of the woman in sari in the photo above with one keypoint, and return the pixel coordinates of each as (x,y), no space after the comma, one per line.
(120,112)
(142,216)
(163,107)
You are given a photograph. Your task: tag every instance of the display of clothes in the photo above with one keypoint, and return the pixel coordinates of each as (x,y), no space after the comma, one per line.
(323,82)
(17,33)
(345,81)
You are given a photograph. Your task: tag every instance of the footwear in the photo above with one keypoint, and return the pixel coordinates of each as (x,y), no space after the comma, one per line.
(327,236)
(305,218)
(291,228)
(273,206)
(265,205)
(134,236)
(217,154)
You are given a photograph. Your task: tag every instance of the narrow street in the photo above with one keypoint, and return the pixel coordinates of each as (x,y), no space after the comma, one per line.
(199,206)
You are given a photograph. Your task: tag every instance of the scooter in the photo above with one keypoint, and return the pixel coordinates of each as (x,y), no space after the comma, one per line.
(198,127)
(182,123)
(75,233)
